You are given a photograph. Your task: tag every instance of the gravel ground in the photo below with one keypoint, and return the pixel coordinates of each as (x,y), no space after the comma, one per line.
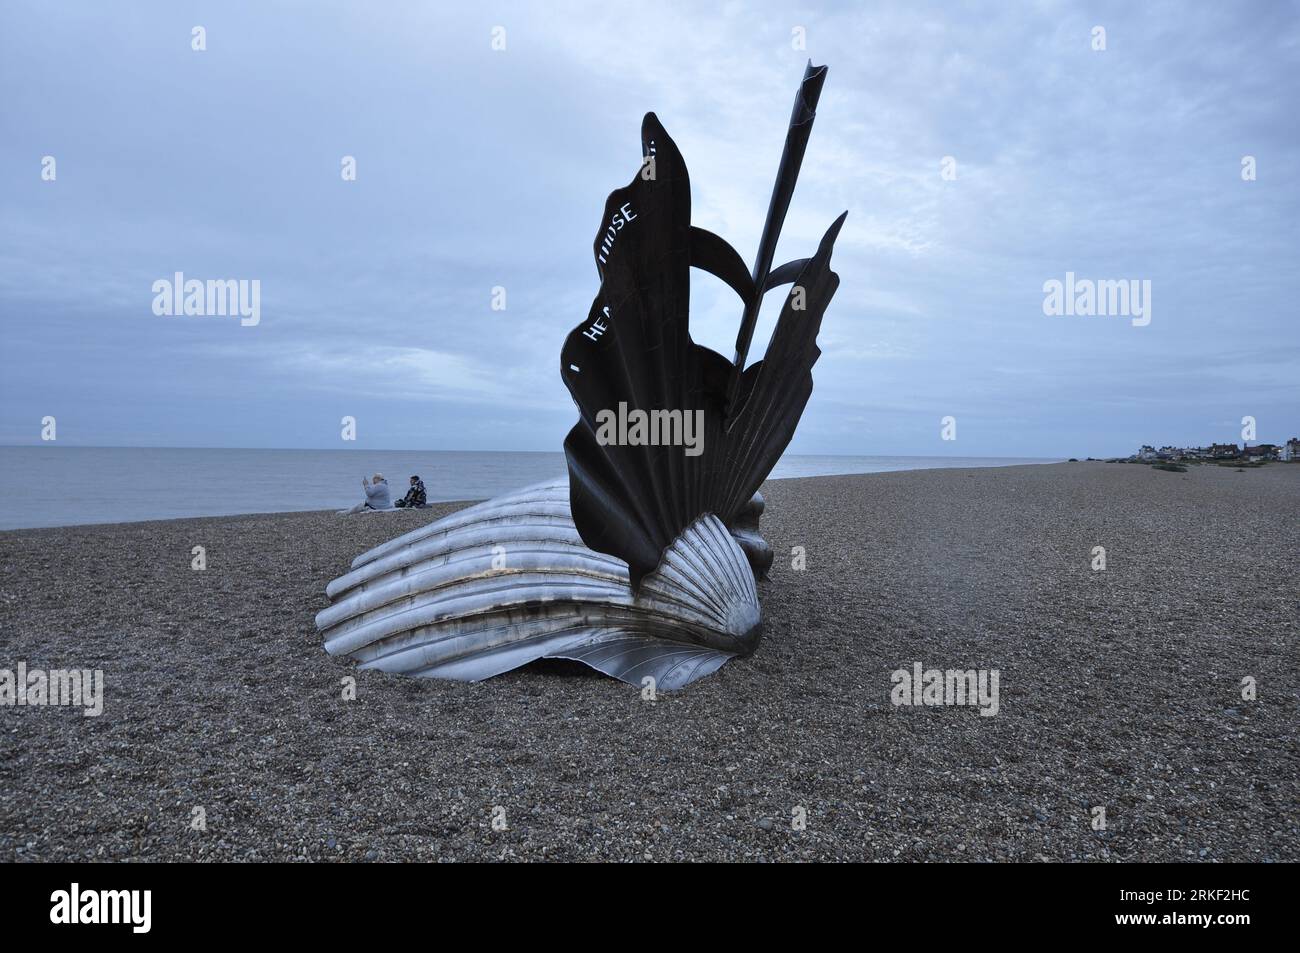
(1119,689)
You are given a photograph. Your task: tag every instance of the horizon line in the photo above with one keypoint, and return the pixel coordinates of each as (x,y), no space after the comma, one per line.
(52,444)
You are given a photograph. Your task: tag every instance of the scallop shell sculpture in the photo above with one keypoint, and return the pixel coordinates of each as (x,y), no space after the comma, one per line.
(642,563)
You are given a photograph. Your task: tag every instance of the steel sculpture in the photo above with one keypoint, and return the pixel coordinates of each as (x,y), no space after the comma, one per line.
(643,562)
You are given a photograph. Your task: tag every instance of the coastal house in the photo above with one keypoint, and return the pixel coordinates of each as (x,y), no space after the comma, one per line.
(1265,451)
(1146,453)
(1224,451)
(1290,449)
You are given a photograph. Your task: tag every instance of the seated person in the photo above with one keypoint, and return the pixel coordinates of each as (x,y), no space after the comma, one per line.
(415,496)
(377,497)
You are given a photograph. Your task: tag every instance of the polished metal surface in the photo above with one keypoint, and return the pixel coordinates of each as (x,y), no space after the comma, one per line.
(508,581)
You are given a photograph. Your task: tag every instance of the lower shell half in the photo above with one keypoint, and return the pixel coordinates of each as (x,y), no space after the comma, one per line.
(509,581)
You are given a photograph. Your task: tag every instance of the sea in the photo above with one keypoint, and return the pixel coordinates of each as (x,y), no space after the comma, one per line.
(66,486)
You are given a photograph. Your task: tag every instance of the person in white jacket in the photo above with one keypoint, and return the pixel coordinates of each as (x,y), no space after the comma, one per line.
(377,496)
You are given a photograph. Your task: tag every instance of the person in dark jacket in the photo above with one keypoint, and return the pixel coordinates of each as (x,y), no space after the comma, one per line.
(415,496)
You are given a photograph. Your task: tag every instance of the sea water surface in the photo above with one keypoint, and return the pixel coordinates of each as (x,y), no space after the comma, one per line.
(64,486)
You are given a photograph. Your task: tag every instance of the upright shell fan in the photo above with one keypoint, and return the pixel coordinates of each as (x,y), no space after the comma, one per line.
(643,563)
(635,351)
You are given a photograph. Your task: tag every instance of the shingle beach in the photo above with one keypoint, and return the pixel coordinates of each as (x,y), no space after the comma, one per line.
(1119,689)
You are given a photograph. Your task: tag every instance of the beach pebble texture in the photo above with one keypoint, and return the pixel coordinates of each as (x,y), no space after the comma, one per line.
(227,733)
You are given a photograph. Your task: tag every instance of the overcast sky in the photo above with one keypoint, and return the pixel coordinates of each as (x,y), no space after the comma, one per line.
(479,168)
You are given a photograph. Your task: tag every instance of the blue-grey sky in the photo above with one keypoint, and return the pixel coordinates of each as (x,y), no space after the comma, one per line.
(479,168)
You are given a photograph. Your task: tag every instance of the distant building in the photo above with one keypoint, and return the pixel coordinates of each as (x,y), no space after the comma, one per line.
(1222,451)
(1265,451)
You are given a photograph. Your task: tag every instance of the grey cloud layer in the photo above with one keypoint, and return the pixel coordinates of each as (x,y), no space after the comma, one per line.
(478,169)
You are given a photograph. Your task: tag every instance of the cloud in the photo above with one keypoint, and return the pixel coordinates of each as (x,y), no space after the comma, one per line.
(479,169)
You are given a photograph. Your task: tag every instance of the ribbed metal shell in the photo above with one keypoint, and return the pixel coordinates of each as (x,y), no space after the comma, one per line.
(508,581)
